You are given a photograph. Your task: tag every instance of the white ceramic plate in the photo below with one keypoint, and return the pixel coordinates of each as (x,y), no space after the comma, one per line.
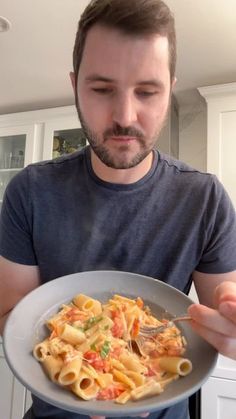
(25,327)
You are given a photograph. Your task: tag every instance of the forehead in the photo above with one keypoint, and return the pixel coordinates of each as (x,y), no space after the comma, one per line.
(112,53)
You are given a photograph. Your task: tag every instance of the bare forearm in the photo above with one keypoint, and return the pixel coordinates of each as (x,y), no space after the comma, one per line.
(16,281)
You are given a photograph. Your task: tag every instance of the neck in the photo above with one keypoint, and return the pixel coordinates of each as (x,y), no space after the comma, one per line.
(121,176)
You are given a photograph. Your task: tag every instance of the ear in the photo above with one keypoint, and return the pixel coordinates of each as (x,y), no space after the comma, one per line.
(174,81)
(73,82)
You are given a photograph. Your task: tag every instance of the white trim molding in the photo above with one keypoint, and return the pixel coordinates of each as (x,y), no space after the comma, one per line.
(217,91)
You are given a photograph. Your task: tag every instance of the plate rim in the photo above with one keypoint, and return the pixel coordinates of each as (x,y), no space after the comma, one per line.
(117,410)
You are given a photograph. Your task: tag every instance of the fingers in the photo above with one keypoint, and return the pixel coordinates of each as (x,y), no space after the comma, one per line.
(225,345)
(215,320)
(218,326)
(215,328)
(225,292)
(228,310)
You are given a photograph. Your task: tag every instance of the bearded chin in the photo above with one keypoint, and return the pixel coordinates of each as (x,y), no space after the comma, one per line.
(117,163)
(103,153)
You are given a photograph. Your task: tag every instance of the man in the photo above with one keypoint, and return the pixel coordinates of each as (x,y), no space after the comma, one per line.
(119,204)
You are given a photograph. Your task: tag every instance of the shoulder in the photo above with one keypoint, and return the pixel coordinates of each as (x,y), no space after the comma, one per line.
(186,181)
(56,170)
(44,176)
(61,163)
(177,166)
(178,171)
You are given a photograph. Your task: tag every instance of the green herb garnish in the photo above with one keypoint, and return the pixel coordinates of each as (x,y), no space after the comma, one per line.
(105,349)
(92,321)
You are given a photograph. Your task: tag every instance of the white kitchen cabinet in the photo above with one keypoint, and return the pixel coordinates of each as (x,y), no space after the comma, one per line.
(28,137)
(35,135)
(62,136)
(218,399)
(221,134)
(12,395)
(219,393)
(17,147)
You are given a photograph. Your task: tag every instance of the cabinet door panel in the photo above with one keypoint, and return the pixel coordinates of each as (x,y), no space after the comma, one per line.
(225,368)
(12,394)
(219,393)
(228,147)
(218,399)
(62,131)
(221,126)
(29,131)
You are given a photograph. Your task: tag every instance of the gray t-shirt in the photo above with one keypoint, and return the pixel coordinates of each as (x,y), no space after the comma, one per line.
(60,216)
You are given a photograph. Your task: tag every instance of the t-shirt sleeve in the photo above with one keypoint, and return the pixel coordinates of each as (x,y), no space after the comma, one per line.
(219,255)
(16,220)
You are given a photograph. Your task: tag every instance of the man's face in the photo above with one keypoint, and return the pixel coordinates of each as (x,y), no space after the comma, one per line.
(123,93)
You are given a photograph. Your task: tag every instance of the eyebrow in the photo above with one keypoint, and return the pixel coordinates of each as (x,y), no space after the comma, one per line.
(98,78)
(153,82)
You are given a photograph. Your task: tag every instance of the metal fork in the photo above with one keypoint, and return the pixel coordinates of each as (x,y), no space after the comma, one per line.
(154,330)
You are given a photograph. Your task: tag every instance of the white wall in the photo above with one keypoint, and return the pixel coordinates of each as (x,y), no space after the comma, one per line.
(193,144)
(193,135)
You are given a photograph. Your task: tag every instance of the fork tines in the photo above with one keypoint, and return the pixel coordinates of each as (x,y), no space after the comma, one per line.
(153,330)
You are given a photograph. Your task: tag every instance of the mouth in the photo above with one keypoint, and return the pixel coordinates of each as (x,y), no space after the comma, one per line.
(123,139)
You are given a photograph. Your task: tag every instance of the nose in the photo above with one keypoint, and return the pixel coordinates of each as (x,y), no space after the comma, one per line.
(124,110)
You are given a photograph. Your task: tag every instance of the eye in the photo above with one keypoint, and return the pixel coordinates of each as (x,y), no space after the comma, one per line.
(146,93)
(102,90)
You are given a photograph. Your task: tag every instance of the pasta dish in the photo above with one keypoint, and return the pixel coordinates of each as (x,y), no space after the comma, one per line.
(97,351)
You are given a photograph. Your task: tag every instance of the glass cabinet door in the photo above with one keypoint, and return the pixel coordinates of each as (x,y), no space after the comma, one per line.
(63,135)
(67,141)
(17,150)
(12,158)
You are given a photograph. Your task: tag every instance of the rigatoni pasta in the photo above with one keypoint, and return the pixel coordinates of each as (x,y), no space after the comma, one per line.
(95,350)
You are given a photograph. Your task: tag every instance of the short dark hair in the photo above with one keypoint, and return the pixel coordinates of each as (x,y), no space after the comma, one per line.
(132,17)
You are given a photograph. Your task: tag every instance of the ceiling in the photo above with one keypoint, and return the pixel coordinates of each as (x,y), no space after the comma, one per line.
(36,53)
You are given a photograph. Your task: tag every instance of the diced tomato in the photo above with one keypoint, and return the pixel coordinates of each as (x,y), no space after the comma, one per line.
(75,315)
(115,352)
(96,361)
(90,355)
(99,364)
(135,328)
(151,372)
(115,313)
(117,329)
(110,393)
